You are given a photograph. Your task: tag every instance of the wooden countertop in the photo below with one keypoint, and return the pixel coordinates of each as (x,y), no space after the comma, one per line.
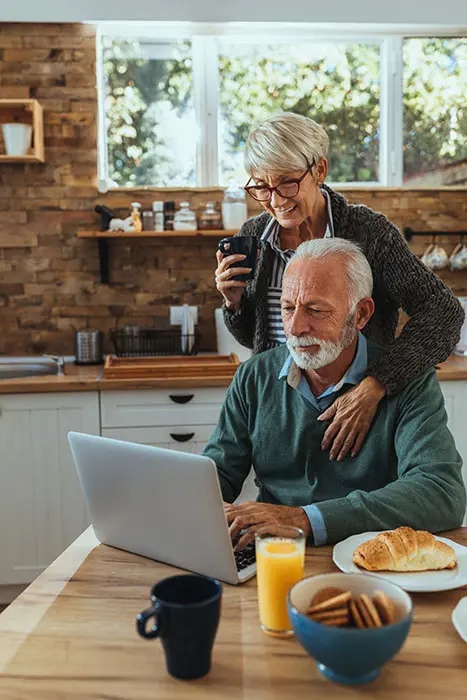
(72,634)
(89,378)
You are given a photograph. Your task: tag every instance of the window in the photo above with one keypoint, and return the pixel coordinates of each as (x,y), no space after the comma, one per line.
(435,111)
(334,83)
(150,120)
(178,101)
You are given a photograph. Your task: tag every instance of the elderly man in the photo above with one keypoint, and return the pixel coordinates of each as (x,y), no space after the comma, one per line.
(407,472)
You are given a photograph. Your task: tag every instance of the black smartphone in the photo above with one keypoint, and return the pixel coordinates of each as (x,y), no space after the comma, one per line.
(241,245)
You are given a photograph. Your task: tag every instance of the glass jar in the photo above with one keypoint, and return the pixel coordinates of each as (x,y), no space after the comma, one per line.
(185,218)
(210,219)
(147,218)
(158,215)
(169,213)
(234,209)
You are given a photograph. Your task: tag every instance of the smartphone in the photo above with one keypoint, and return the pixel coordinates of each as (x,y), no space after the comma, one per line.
(241,245)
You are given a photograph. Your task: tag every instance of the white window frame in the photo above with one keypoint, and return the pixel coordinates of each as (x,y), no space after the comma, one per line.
(206,81)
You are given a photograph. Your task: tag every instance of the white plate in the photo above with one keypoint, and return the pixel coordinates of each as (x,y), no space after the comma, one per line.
(416,582)
(459,618)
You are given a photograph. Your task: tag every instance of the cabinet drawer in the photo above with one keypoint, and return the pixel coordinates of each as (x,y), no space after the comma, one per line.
(128,409)
(185,438)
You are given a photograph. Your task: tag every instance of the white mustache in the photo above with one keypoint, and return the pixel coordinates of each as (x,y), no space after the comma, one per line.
(295,341)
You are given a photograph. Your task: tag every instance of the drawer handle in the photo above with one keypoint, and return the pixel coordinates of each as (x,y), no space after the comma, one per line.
(182,437)
(181,399)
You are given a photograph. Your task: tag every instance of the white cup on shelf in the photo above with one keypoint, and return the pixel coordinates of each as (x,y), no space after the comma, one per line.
(17,138)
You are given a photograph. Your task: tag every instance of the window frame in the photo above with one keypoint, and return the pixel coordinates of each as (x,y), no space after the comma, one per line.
(204,38)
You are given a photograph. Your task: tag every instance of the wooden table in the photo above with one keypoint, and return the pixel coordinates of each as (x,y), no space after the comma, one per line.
(71,636)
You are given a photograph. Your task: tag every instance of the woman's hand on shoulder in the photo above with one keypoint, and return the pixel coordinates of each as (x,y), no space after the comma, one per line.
(230,289)
(351,416)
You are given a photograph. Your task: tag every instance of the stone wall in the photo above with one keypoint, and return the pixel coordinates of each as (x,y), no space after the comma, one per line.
(49,278)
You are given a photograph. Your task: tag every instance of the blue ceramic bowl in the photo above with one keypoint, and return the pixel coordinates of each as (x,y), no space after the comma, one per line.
(345,654)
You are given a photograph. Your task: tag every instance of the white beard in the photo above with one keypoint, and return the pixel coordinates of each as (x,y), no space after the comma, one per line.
(328,351)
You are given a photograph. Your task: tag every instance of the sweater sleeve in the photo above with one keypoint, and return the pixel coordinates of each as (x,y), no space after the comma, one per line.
(429,493)
(435,315)
(241,323)
(229,445)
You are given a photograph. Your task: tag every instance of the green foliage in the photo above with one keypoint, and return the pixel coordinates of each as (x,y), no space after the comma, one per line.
(435,111)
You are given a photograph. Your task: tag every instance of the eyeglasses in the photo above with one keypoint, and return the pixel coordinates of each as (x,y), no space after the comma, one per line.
(286,189)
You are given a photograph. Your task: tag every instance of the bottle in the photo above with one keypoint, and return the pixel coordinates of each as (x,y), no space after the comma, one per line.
(234,209)
(158,212)
(169,212)
(210,219)
(136,216)
(148,220)
(185,218)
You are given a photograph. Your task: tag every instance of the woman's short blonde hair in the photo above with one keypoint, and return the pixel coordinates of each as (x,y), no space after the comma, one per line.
(285,142)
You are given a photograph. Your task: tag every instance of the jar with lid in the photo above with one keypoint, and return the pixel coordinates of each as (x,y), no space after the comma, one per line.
(169,213)
(158,213)
(185,218)
(210,219)
(234,209)
(147,218)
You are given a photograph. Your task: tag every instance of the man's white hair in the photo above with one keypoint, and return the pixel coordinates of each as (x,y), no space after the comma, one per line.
(359,274)
(285,142)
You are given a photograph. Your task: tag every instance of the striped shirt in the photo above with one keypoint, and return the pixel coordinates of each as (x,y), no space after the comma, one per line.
(271,237)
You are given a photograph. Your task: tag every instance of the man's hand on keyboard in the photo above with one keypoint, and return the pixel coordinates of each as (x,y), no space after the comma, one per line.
(251,516)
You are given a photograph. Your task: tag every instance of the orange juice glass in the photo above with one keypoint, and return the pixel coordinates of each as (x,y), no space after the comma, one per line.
(280,557)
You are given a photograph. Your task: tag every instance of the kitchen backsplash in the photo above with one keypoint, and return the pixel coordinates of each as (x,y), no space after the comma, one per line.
(49,278)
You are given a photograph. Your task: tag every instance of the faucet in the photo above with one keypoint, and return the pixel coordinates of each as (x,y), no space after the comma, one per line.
(60,362)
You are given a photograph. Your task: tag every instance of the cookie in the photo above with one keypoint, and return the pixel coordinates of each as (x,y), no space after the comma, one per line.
(371,609)
(366,617)
(385,607)
(332,603)
(339,612)
(325,594)
(355,614)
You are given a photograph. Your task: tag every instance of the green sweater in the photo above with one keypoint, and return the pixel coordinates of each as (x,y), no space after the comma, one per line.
(408,471)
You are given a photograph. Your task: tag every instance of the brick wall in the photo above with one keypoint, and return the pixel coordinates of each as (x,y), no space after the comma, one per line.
(49,279)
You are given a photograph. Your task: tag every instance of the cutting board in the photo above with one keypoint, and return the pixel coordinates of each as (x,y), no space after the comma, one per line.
(194,366)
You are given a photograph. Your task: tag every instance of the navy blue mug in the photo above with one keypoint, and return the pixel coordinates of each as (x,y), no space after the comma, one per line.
(241,245)
(186,612)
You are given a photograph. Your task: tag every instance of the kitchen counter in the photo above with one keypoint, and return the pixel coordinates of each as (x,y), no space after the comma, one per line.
(89,378)
(72,634)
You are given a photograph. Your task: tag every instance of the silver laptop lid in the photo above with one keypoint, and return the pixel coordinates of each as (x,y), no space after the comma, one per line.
(159,503)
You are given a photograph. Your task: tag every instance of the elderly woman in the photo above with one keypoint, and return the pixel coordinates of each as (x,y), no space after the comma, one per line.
(286,159)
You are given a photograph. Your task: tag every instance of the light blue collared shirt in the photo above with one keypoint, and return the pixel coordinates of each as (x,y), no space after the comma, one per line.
(297,380)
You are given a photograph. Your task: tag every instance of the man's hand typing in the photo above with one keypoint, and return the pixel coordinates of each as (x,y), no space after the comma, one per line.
(251,516)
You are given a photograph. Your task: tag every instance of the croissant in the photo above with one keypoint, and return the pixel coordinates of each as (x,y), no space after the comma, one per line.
(404,549)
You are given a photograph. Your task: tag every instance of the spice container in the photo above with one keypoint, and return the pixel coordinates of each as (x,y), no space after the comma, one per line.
(210,219)
(158,215)
(148,221)
(169,213)
(185,218)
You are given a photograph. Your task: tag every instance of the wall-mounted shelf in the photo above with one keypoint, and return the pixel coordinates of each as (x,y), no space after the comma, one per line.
(103,238)
(27,111)
(408,233)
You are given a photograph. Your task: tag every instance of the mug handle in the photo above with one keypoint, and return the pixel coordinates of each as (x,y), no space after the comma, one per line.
(142,619)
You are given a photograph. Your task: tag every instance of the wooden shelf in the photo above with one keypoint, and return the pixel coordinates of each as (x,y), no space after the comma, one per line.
(27,111)
(153,234)
(103,237)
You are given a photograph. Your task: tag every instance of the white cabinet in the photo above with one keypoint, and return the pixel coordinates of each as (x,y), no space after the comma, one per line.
(179,420)
(41,505)
(455,397)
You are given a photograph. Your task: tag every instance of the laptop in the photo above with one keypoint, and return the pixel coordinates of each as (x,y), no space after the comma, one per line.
(162,504)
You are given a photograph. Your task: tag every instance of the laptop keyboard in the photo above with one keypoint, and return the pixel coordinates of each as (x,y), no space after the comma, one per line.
(245,557)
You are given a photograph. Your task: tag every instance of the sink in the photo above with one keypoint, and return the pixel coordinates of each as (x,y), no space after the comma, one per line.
(15,370)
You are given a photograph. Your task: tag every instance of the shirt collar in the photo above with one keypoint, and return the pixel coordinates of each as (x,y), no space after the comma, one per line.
(354,374)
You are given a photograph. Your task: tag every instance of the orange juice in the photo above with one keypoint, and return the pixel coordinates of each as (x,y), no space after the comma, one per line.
(279,565)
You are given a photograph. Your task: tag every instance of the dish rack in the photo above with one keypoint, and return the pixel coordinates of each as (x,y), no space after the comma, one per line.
(147,342)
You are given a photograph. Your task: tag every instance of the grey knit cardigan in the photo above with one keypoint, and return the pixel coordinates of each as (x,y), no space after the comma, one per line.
(401,281)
